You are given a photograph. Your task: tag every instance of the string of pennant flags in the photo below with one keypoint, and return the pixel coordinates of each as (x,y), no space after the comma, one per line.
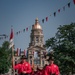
(43,20)
(20,52)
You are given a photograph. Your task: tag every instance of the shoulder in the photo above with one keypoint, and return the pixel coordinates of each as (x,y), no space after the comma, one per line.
(17,65)
(47,67)
(26,63)
(56,66)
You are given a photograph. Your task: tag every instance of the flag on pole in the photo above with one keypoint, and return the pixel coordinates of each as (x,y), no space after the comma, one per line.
(11,45)
(17,52)
(25,52)
(11,39)
(20,52)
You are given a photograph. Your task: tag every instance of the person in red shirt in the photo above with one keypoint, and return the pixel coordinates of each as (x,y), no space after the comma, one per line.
(24,67)
(39,71)
(51,69)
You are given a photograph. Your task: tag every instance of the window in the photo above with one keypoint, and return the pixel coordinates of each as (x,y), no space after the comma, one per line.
(30,57)
(30,61)
(41,39)
(37,39)
(43,62)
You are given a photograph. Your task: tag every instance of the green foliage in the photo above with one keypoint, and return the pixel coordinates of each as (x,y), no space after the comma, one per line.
(63,45)
(5,58)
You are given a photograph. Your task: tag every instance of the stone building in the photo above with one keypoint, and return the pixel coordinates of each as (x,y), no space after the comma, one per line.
(36,49)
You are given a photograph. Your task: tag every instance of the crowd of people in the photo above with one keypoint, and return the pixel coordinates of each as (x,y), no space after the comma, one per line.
(24,68)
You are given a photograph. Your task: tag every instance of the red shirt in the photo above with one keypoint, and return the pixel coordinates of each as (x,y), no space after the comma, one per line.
(23,67)
(41,72)
(51,69)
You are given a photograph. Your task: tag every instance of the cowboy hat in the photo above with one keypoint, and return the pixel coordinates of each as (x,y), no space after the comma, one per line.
(50,58)
(23,57)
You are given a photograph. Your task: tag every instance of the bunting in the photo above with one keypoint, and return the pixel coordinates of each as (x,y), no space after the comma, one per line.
(43,20)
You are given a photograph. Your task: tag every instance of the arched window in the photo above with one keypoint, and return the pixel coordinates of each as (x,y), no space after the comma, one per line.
(37,39)
(30,61)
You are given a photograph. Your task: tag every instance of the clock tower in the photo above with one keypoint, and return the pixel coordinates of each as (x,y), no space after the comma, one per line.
(36,49)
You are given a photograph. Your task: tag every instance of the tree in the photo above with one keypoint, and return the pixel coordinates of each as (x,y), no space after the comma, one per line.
(5,58)
(63,45)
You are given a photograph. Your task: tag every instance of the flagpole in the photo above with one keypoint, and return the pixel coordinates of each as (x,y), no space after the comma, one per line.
(12,51)
(13,71)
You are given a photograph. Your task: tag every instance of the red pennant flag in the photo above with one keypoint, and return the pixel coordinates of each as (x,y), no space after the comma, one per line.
(46,18)
(74,1)
(11,39)
(11,34)
(26,29)
(58,10)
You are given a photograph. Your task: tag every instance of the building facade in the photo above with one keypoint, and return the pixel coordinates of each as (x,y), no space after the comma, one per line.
(36,49)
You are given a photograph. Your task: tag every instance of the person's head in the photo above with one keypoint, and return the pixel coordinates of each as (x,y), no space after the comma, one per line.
(51,60)
(23,58)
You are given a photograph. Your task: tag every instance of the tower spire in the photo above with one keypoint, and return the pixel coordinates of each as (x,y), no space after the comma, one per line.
(36,21)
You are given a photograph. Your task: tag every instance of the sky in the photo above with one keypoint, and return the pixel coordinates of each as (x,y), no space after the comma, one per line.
(21,14)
